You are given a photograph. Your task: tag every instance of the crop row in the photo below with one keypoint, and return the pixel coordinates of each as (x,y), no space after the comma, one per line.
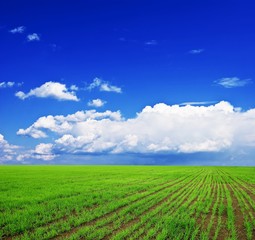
(133,203)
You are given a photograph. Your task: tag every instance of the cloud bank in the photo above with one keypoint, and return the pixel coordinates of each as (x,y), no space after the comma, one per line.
(156,129)
(54,90)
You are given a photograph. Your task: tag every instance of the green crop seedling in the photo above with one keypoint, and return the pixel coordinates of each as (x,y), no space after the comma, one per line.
(127,202)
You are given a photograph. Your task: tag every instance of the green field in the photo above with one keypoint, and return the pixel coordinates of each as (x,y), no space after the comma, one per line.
(127,202)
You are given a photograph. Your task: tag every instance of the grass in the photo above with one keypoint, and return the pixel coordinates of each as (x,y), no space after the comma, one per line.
(127,202)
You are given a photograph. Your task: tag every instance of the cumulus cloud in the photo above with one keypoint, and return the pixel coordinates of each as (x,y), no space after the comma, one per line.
(19,29)
(33,37)
(103,86)
(7,151)
(232,82)
(54,90)
(96,103)
(156,129)
(32,132)
(62,124)
(196,51)
(42,151)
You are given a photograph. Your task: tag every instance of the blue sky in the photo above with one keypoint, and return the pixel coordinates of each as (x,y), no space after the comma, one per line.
(102,62)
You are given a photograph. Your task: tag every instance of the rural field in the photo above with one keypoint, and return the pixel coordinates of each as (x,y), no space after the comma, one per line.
(127,202)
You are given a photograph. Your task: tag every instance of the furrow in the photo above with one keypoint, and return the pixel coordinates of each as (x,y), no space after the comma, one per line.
(74,213)
(152,208)
(239,218)
(223,231)
(249,220)
(210,223)
(180,225)
(249,198)
(157,225)
(110,213)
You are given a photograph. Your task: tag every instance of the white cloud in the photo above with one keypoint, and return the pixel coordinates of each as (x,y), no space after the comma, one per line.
(74,88)
(231,82)
(55,90)
(103,86)
(33,37)
(96,83)
(7,151)
(10,84)
(32,132)
(158,129)
(151,42)
(96,103)
(42,151)
(62,124)
(6,84)
(196,51)
(19,29)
